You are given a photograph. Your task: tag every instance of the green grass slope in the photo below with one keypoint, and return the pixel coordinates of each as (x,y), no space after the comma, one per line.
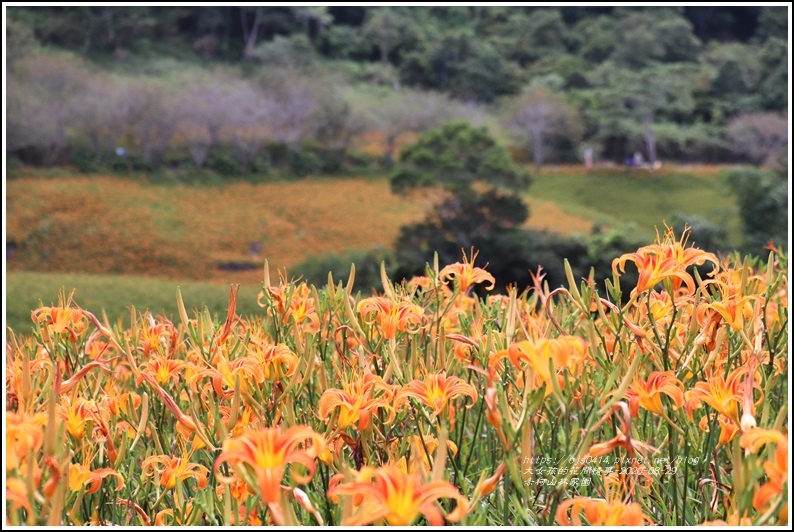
(115,294)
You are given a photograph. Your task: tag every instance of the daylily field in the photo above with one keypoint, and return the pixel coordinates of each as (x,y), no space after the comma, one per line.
(427,403)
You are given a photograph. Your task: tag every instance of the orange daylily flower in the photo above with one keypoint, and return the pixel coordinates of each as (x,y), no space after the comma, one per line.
(76,412)
(295,303)
(734,307)
(61,319)
(436,390)
(728,429)
(224,378)
(171,468)
(119,403)
(277,361)
(660,307)
(466,274)
(398,497)
(302,308)
(723,395)
(332,450)
(158,335)
(647,393)
(15,382)
(391,316)
(96,347)
(754,439)
(24,433)
(600,512)
(245,419)
(267,452)
(356,402)
(776,470)
(665,259)
(238,488)
(162,368)
(17,495)
(80,475)
(565,352)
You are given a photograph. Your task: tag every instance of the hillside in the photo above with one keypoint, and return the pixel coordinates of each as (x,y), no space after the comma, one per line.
(104,224)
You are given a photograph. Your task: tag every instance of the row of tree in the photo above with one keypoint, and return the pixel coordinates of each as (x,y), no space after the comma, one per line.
(58,106)
(670,82)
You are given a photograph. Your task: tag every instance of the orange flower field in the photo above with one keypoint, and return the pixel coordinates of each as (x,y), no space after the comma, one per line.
(426,403)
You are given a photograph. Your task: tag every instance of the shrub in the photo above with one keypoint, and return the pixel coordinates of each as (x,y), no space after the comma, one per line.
(304,162)
(222,161)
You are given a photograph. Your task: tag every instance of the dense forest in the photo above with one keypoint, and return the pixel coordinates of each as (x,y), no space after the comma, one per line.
(248,89)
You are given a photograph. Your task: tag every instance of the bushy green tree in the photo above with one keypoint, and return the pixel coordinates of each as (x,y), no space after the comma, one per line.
(655,34)
(482,207)
(454,157)
(463,64)
(385,28)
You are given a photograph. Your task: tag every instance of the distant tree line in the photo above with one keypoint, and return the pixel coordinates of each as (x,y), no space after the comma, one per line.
(697,83)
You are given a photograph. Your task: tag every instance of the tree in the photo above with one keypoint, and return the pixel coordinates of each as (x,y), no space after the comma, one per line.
(762,137)
(152,116)
(595,37)
(384,27)
(455,157)
(20,41)
(763,205)
(295,51)
(468,66)
(773,88)
(772,22)
(250,33)
(409,111)
(102,114)
(657,34)
(206,110)
(541,117)
(631,102)
(42,89)
(292,109)
(248,131)
(734,73)
(526,36)
(313,16)
(338,121)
